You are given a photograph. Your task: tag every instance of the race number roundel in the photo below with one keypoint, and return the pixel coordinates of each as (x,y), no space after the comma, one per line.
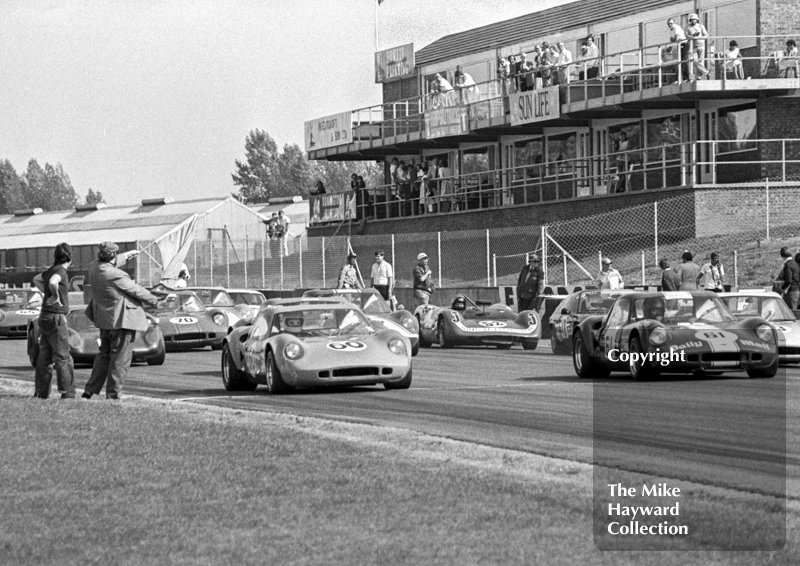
(349,345)
(717,338)
(183,320)
(492,323)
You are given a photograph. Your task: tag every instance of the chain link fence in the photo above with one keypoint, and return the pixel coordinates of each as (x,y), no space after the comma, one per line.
(746,225)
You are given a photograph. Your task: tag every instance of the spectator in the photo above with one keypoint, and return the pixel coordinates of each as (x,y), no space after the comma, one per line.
(713,274)
(116,309)
(526,75)
(547,59)
(418,189)
(423,281)
(513,74)
(349,278)
(529,283)
(669,64)
(404,188)
(363,199)
(583,61)
(504,75)
(382,276)
(786,60)
(791,279)
(534,79)
(183,277)
(699,34)
(689,273)
(669,279)
(733,60)
(623,164)
(320,189)
(445,186)
(442,89)
(564,61)
(678,37)
(53,331)
(282,230)
(467,86)
(433,187)
(609,278)
(272,225)
(593,58)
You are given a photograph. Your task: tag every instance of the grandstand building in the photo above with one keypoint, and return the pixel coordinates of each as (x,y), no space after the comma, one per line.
(648,117)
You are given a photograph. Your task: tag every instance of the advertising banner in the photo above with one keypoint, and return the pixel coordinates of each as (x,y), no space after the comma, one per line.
(333,207)
(329,131)
(450,121)
(534,105)
(395,63)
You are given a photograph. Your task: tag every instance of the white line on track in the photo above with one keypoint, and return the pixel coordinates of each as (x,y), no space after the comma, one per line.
(210,397)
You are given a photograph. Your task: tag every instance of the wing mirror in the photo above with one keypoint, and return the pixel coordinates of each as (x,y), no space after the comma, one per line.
(565,311)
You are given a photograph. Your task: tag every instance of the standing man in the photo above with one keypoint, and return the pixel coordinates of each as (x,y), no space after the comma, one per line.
(699,34)
(382,276)
(593,58)
(564,61)
(530,283)
(423,284)
(53,331)
(689,273)
(116,309)
(678,37)
(669,279)
(714,274)
(283,230)
(183,277)
(791,279)
(609,278)
(348,278)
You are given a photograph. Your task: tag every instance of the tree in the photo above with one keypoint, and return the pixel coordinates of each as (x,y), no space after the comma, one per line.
(94,197)
(294,172)
(256,176)
(335,175)
(48,188)
(11,189)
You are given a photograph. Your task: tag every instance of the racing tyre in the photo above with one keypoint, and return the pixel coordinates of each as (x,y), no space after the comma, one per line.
(33,349)
(529,344)
(216,347)
(585,365)
(423,343)
(159,359)
(415,349)
(232,378)
(769,371)
(640,371)
(503,346)
(404,383)
(559,348)
(275,382)
(441,338)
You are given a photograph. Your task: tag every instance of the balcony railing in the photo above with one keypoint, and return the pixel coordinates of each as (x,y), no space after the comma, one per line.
(651,67)
(721,162)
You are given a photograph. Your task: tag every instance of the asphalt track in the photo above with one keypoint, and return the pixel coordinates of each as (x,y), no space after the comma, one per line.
(723,431)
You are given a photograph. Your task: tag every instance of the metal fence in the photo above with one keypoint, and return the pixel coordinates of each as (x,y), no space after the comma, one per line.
(747,225)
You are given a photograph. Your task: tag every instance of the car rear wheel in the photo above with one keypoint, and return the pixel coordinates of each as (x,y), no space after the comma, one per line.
(232,378)
(585,365)
(640,370)
(33,348)
(441,338)
(423,342)
(404,383)
(159,359)
(769,371)
(275,383)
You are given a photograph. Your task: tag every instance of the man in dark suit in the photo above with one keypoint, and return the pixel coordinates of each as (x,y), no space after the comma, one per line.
(530,283)
(116,309)
(791,279)
(669,279)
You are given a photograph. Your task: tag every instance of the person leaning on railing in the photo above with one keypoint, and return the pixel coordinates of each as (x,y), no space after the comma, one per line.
(678,37)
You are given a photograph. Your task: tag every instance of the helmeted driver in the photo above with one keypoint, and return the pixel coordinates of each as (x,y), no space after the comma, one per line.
(459,303)
(654,308)
(293,325)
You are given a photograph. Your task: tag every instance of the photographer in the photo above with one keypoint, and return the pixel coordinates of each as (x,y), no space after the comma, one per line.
(423,284)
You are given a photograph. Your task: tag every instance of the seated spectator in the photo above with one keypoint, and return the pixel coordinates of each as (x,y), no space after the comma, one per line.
(583,60)
(733,60)
(786,60)
(320,190)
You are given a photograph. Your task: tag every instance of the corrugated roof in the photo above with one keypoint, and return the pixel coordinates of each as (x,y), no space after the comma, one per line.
(117,223)
(538,24)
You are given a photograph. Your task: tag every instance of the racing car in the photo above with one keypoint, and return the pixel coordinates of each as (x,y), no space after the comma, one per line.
(467,323)
(84,340)
(673,332)
(17,308)
(772,308)
(573,309)
(377,310)
(219,299)
(314,344)
(186,323)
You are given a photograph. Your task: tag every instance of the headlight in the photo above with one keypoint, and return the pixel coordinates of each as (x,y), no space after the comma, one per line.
(293,351)
(151,338)
(658,336)
(75,340)
(764,332)
(397,346)
(408,323)
(156,321)
(220,319)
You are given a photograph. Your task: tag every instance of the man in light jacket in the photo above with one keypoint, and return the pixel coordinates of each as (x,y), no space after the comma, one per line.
(116,309)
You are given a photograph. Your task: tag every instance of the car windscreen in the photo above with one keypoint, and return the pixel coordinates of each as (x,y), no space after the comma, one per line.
(594,302)
(247,298)
(773,309)
(179,302)
(321,322)
(214,297)
(16,298)
(681,310)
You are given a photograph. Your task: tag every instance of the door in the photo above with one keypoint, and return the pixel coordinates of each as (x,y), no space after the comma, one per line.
(599,163)
(582,170)
(705,152)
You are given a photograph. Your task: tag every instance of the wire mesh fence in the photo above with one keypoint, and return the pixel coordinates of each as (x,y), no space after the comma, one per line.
(746,225)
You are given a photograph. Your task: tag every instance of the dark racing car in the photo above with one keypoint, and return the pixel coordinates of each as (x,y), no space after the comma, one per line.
(84,340)
(467,323)
(646,334)
(573,309)
(17,308)
(186,323)
(377,310)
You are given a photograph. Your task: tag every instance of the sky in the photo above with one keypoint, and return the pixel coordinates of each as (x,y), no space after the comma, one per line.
(151,98)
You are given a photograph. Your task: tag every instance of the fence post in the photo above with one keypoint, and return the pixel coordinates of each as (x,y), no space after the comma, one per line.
(324,279)
(300,258)
(439,254)
(194,251)
(766,185)
(655,230)
(280,254)
(263,260)
(488,265)
(150,269)
(566,280)
(494,269)
(227,243)
(643,279)
(735,269)
(600,259)
(211,258)
(544,252)
(394,262)
(246,258)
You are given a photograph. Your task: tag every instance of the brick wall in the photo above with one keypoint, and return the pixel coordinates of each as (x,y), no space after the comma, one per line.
(521,215)
(733,210)
(777,119)
(776,17)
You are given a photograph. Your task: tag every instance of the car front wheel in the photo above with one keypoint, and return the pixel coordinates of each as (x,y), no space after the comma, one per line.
(404,383)
(442,339)
(585,365)
(640,370)
(232,378)
(769,371)
(275,382)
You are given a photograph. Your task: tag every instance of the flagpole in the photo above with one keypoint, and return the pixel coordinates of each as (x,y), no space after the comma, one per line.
(377,2)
